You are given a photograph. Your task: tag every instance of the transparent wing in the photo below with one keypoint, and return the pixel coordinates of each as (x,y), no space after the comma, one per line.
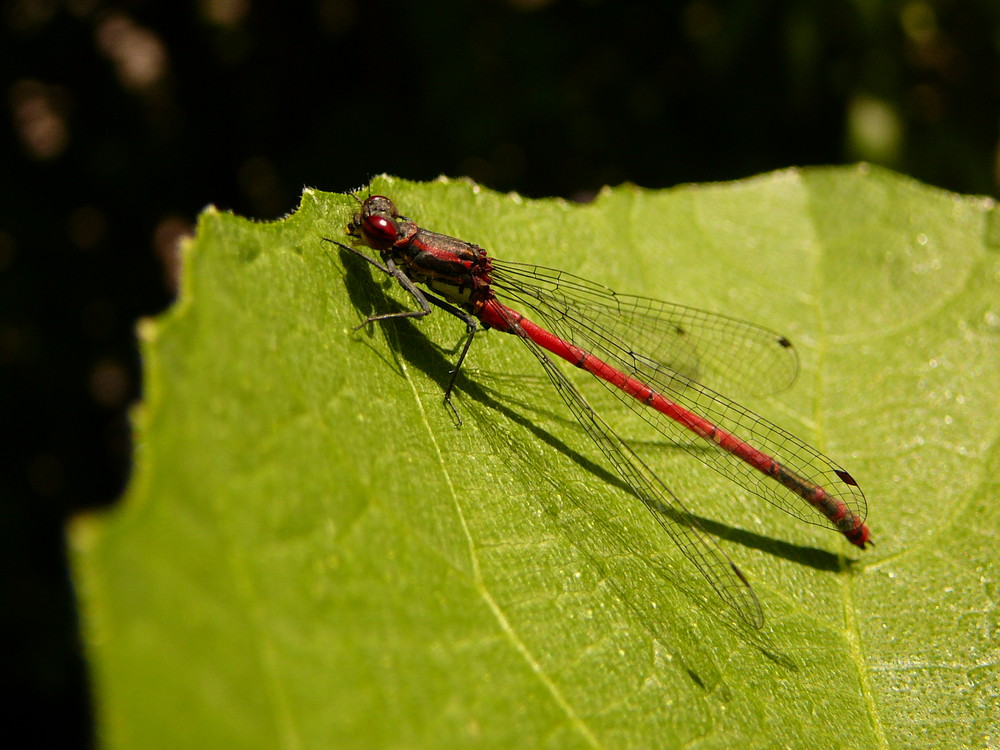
(566,305)
(723,575)
(721,352)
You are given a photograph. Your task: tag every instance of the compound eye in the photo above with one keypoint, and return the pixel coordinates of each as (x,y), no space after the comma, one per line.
(379,231)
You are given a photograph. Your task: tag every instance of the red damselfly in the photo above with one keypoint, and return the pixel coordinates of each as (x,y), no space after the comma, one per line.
(649,354)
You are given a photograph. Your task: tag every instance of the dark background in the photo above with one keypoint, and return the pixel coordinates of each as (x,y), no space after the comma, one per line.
(122,120)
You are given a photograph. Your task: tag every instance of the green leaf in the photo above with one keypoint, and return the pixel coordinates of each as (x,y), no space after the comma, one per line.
(313,554)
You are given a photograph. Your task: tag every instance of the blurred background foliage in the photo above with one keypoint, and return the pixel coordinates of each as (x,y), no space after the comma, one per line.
(123,119)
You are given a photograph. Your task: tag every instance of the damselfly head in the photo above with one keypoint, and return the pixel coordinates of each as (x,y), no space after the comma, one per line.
(376,223)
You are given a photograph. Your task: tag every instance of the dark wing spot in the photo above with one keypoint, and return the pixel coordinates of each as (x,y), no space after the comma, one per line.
(845,477)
